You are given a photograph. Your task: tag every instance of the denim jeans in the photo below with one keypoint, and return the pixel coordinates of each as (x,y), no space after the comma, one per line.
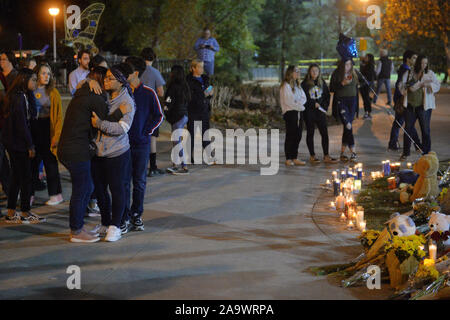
(209,67)
(82,186)
(180,158)
(387,84)
(112,173)
(137,172)
(398,122)
(347,111)
(411,115)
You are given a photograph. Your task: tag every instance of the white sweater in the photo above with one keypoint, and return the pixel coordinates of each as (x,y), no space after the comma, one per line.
(292,100)
(428,96)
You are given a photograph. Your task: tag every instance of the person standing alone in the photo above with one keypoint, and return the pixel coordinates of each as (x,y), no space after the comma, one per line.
(206,48)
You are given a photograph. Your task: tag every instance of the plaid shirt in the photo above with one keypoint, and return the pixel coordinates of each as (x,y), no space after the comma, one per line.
(206,54)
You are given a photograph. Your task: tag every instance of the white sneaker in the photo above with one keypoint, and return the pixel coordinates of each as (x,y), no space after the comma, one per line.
(99,229)
(55,200)
(113,234)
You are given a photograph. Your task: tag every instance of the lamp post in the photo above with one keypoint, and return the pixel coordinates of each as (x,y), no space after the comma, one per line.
(54,12)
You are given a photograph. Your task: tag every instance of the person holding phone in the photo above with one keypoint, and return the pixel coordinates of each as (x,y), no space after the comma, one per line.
(206,48)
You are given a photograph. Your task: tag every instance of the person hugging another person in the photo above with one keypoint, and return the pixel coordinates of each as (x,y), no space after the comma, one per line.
(316,106)
(292,100)
(344,84)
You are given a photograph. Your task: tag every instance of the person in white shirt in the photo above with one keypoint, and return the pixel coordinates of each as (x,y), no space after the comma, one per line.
(292,100)
(418,87)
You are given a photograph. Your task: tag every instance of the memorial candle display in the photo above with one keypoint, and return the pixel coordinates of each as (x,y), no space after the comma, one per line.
(386,168)
(432,249)
(340,202)
(336,187)
(392,183)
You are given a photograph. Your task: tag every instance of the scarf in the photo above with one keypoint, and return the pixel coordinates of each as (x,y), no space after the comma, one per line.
(121,78)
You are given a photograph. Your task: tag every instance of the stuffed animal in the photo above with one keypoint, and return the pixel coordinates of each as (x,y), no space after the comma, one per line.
(427,184)
(405,192)
(440,222)
(401,225)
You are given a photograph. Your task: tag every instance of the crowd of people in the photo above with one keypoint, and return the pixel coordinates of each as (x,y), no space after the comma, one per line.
(107,140)
(309,101)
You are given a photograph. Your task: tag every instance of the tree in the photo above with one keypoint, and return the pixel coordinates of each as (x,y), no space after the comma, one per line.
(417,18)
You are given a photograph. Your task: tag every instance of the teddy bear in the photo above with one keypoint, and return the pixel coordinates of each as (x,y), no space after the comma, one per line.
(427,184)
(440,222)
(401,225)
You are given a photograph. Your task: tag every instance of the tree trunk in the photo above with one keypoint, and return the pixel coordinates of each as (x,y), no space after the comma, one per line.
(447,52)
(283,40)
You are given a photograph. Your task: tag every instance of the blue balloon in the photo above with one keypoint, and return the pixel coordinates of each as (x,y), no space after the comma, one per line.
(346,47)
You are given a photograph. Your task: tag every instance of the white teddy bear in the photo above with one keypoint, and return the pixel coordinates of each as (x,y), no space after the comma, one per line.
(401,225)
(440,222)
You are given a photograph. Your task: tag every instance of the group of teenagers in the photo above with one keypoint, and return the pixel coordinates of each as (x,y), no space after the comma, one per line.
(104,140)
(308,101)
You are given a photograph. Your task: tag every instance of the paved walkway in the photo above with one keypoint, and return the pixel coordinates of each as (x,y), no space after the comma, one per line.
(223,232)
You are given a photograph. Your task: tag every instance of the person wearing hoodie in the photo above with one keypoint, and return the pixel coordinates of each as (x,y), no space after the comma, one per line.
(76,148)
(147,118)
(315,114)
(419,88)
(111,165)
(409,59)
(292,101)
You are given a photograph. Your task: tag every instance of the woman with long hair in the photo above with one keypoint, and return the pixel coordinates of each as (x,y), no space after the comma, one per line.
(419,88)
(368,71)
(46,130)
(16,137)
(292,100)
(315,114)
(177,98)
(344,84)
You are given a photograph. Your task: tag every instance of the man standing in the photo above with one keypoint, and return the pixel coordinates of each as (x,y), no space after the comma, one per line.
(409,59)
(206,47)
(7,63)
(147,118)
(384,69)
(152,78)
(81,72)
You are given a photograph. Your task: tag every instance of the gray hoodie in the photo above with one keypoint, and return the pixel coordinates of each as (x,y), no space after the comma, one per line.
(112,140)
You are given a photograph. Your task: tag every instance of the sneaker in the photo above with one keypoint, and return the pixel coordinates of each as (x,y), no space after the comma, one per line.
(16,218)
(366,116)
(83,236)
(113,234)
(353,156)
(55,200)
(124,227)
(343,158)
(92,209)
(289,163)
(181,171)
(212,161)
(171,170)
(99,229)
(156,172)
(313,160)
(298,162)
(328,159)
(137,224)
(32,218)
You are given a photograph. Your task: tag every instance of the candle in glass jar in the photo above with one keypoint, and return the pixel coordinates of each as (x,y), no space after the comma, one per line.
(343,175)
(357,186)
(343,217)
(432,249)
(335,175)
(360,215)
(332,205)
(392,183)
(350,224)
(340,202)
(362,226)
(386,168)
(359,173)
(409,165)
(336,187)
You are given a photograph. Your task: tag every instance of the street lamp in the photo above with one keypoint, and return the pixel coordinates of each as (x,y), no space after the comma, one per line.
(54,12)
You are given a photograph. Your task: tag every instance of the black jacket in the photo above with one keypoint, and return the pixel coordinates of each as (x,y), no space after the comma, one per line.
(16,132)
(178,106)
(77,132)
(199,104)
(324,99)
(368,72)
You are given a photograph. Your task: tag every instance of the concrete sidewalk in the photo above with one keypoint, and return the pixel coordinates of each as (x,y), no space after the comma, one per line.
(223,232)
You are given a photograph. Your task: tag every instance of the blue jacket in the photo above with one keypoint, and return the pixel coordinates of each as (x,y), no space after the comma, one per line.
(148,116)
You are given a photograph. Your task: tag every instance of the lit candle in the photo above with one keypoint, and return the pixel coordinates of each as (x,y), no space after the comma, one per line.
(386,168)
(332,205)
(343,175)
(334,175)
(409,165)
(428,262)
(350,224)
(360,215)
(343,217)
(359,173)
(362,226)
(432,248)
(340,202)
(336,187)
(357,186)
(392,183)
